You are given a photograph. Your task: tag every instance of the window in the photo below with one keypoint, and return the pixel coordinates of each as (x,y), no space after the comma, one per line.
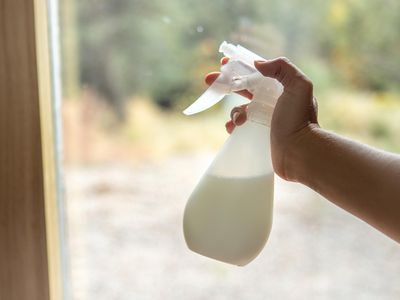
(131,158)
(30,240)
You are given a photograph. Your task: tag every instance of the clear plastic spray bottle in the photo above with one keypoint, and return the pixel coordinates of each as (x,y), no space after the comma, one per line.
(228,216)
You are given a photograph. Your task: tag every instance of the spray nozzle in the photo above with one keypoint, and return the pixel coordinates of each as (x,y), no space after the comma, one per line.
(238,74)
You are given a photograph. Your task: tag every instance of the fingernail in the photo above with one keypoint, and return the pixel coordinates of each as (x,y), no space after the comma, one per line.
(259,62)
(235,117)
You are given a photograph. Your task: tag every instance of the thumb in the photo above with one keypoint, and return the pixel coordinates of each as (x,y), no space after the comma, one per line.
(282,70)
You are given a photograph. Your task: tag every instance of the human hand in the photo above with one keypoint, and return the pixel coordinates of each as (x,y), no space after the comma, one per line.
(295,113)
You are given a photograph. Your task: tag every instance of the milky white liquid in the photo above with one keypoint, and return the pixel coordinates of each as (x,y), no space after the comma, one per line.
(229,219)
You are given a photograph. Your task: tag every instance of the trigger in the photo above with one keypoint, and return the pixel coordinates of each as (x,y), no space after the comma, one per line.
(239,83)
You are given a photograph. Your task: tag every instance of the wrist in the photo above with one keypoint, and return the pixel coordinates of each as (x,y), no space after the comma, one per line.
(300,152)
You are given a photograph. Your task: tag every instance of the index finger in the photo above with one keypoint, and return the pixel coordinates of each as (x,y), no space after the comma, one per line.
(211,77)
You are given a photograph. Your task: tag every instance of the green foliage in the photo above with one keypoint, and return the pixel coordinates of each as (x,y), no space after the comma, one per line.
(370,117)
(162,49)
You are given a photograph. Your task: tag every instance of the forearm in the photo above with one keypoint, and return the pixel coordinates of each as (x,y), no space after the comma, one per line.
(358,178)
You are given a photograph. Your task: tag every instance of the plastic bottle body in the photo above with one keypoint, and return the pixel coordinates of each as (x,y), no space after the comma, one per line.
(228,216)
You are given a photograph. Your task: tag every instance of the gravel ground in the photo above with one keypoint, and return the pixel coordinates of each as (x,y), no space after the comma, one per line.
(126,242)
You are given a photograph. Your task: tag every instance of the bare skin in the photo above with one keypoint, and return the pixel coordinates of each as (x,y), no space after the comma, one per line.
(358,178)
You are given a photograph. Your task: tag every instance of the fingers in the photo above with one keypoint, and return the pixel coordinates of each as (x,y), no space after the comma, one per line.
(284,71)
(229,126)
(245,93)
(211,77)
(224,60)
(239,115)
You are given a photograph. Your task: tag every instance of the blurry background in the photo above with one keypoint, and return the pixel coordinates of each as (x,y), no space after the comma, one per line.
(131,158)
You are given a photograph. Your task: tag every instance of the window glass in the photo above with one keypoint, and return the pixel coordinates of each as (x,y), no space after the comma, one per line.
(131,158)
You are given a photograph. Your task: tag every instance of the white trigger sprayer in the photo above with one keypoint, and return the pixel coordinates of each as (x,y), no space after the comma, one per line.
(228,216)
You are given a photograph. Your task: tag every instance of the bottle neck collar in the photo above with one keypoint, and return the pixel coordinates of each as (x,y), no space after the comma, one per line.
(260,112)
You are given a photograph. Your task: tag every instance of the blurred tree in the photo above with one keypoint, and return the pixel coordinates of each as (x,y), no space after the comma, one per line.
(362,39)
(163,48)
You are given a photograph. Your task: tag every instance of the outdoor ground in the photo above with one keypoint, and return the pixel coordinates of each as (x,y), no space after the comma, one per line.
(126,242)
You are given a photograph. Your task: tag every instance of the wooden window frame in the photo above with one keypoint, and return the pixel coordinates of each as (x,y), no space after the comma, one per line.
(30,251)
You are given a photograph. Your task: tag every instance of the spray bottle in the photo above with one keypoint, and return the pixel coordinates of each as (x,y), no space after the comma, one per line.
(228,216)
